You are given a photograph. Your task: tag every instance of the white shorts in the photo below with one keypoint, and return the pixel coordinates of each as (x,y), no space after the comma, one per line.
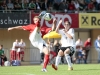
(36,40)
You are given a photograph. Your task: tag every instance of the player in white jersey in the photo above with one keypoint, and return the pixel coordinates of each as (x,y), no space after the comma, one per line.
(20,51)
(67,44)
(14,49)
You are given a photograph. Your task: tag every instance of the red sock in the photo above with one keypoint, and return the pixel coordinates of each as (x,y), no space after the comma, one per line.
(53,53)
(46,60)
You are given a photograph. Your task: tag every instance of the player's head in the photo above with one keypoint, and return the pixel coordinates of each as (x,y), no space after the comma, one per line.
(36,19)
(16,40)
(67,24)
(21,40)
(89,39)
(98,37)
(1,46)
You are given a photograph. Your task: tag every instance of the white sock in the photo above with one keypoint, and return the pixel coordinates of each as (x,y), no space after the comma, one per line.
(58,59)
(68,59)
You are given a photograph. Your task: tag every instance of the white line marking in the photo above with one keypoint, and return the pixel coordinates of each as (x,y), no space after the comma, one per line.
(17,73)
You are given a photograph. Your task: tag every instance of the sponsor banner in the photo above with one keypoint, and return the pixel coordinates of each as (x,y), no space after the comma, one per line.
(13,19)
(89,20)
(73,18)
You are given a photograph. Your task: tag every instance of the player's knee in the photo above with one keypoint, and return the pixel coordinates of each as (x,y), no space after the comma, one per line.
(67,51)
(60,53)
(46,50)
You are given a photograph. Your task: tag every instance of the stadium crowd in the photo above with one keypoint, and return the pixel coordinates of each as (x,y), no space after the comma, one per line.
(69,6)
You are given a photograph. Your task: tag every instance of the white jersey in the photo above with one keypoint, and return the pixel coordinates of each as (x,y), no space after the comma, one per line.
(66,41)
(79,43)
(22,46)
(14,46)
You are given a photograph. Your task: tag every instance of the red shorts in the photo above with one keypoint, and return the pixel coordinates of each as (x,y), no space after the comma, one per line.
(22,52)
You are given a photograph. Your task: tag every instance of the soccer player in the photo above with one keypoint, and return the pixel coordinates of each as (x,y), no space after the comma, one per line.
(67,44)
(14,49)
(36,38)
(22,49)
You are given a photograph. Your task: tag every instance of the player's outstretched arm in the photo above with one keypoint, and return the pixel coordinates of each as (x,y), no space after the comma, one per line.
(17,27)
(57,29)
(54,24)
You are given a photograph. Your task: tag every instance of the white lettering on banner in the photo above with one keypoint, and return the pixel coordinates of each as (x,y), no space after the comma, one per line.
(13,21)
(58,16)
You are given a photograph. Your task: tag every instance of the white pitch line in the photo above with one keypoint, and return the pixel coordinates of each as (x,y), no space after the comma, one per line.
(17,73)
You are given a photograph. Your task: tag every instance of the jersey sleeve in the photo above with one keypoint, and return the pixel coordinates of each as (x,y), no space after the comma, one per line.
(61,32)
(48,30)
(71,32)
(28,27)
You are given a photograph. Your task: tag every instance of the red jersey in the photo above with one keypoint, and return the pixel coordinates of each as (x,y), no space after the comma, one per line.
(71,7)
(31,27)
(87,44)
(90,6)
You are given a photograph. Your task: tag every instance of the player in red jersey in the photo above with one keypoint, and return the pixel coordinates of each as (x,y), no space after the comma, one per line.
(35,37)
(86,48)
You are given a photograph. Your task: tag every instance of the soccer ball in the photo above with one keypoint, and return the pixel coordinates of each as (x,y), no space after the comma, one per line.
(42,14)
(7,63)
(47,16)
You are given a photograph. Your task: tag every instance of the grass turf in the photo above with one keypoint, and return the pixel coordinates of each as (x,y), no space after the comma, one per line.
(79,69)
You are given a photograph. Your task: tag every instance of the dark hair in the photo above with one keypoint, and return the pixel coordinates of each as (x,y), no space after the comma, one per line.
(1,45)
(68,22)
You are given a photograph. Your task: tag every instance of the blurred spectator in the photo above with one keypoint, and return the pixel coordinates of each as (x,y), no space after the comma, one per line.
(98,7)
(1,55)
(45,5)
(3,58)
(32,5)
(52,53)
(25,0)
(51,2)
(25,5)
(87,1)
(81,1)
(95,4)
(63,6)
(83,6)
(57,46)
(71,7)
(79,45)
(56,4)
(87,47)
(97,47)
(91,6)
(38,5)
(98,1)
(10,5)
(0,7)
(76,6)
(4,5)
(17,5)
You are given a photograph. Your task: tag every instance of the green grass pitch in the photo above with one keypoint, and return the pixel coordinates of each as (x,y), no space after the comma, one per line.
(79,69)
